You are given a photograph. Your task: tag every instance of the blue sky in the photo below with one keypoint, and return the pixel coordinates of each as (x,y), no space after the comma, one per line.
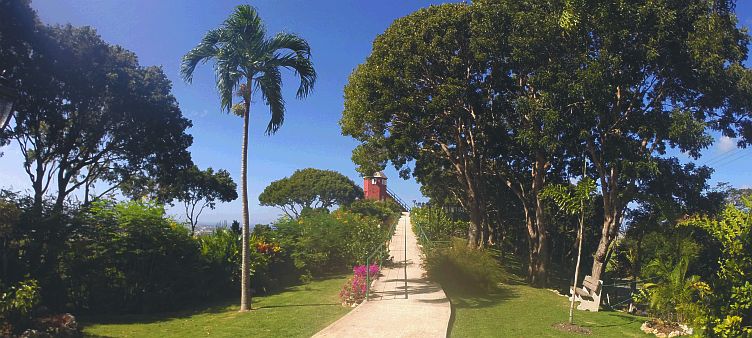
(340,33)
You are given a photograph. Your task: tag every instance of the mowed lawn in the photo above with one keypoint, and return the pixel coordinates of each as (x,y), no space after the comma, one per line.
(295,312)
(523,311)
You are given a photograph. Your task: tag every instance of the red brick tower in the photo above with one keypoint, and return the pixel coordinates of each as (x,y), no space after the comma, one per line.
(374,187)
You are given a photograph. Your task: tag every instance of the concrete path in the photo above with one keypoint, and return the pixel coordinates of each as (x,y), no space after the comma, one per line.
(425,312)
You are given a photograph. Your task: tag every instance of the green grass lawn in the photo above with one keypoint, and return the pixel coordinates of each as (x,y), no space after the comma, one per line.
(523,311)
(295,312)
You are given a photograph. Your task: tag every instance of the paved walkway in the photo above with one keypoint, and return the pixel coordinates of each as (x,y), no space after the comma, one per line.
(425,312)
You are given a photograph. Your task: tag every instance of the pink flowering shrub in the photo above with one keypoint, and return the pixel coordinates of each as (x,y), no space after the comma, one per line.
(354,290)
(360,270)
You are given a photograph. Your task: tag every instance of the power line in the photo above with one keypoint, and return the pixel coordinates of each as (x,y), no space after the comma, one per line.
(718,155)
(722,156)
(732,160)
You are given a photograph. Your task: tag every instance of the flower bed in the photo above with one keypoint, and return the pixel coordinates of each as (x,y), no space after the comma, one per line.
(354,290)
(665,329)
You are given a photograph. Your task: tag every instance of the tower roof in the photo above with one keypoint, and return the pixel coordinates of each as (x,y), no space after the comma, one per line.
(379,174)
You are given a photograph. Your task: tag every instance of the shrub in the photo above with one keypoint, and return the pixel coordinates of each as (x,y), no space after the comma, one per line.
(459,267)
(387,211)
(730,301)
(675,296)
(436,223)
(354,290)
(220,250)
(16,304)
(322,242)
(129,257)
(371,271)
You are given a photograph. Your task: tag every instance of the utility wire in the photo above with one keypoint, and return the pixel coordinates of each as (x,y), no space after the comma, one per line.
(732,160)
(722,156)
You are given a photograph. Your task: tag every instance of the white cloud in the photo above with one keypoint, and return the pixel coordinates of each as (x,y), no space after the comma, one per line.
(726,144)
(195,114)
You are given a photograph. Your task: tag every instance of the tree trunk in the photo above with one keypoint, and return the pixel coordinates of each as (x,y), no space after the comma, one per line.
(532,238)
(579,255)
(541,273)
(37,184)
(245,270)
(610,228)
(474,235)
(539,237)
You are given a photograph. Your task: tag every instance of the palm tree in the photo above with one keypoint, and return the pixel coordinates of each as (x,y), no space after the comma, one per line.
(245,60)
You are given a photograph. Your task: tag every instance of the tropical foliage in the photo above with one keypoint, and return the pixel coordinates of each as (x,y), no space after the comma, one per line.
(198,189)
(310,189)
(457,266)
(322,242)
(245,59)
(436,223)
(386,211)
(492,126)
(730,301)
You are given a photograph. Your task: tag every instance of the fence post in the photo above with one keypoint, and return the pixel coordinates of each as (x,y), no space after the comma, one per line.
(405,235)
(368,278)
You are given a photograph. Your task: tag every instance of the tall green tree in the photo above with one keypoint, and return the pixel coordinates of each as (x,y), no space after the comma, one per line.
(730,302)
(425,95)
(310,189)
(198,189)
(654,75)
(18,30)
(535,112)
(246,60)
(89,114)
(471,95)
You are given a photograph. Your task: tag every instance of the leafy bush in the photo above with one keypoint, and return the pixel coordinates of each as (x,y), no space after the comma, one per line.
(16,304)
(220,250)
(437,223)
(386,211)
(130,257)
(674,297)
(730,301)
(459,267)
(322,242)
(354,290)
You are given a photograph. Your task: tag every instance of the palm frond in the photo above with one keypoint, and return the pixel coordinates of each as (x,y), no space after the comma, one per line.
(240,50)
(303,68)
(246,29)
(294,43)
(228,78)
(203,52)
(270,84)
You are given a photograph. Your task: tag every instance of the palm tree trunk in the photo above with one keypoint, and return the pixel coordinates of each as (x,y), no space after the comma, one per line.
(245,287)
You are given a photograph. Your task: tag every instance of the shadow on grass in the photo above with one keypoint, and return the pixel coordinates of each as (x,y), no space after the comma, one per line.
(620,320)
(462,298)
(475,298)
(219,306)
(295,305)
(226,304)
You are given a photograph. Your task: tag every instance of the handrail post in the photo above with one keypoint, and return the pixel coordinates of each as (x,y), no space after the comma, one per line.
(405,235)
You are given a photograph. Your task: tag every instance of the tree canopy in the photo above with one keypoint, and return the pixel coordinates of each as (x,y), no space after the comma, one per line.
(246,60)
(310,189)
(88,112)
(475,99)
(198,189)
